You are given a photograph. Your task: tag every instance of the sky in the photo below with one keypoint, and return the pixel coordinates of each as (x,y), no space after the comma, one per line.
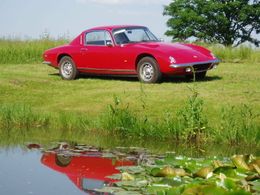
(33,18)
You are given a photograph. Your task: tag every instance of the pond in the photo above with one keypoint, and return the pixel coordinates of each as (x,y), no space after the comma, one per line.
(34,171)
(23,173)
(72,168)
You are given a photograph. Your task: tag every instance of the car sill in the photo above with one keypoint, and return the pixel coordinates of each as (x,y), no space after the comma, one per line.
(46,62)
(107,70)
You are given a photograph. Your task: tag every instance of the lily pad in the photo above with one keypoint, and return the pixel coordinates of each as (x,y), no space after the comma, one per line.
(239,162)
(131,169)
(205,172)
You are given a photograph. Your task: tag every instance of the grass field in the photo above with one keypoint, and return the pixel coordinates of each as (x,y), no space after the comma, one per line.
(222,108)
(33,95)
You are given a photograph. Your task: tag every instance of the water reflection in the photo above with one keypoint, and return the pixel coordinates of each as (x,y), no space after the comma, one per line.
(67,169)
(85,166)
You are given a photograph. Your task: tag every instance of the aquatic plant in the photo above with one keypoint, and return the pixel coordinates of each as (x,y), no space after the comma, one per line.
(148,173)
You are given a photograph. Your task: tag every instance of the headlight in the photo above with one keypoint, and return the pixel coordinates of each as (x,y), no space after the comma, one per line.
(172,60)
(212,55)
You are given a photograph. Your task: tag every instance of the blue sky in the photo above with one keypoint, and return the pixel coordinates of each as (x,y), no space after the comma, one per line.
(31,18)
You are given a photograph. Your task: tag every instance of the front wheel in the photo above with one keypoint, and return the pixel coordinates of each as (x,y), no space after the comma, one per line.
(148,70)
(62,160)
(67,68)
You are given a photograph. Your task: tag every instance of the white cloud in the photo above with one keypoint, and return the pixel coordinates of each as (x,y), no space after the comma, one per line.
(121,2)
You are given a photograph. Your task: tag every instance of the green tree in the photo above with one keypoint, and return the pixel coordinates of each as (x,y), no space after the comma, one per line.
(229,22)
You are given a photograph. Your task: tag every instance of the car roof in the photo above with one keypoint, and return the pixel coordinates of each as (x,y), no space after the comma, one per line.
(110,28)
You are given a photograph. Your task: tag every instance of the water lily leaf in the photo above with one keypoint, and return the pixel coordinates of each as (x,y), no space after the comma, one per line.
(255,166)
(127,177)
(230,184)
(256,161)
(136,184)
(155,188)
(239,162)
(217,164)
(155,171)
(131,169)
(255,186)
(227,171)
(238,192)
(115,176)
(110,190)
(180,172)
(127,193)
(169,159)
(192,190)
(170,172)
(173,182)
(213,190)
(205,172)
(252,177)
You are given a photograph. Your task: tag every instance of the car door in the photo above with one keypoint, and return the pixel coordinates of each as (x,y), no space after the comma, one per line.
(97,50)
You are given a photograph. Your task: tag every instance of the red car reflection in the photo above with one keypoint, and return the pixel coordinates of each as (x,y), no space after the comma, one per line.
(88,171)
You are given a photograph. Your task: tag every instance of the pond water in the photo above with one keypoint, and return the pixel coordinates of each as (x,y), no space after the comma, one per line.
(23,173)
(57,168)
(55,171)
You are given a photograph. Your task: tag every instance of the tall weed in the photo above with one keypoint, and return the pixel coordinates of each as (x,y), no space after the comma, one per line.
(238,125)
(192,122)
(21,116)
(119,119)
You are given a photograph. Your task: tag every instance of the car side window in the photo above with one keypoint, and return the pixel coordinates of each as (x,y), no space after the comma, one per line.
(101,38)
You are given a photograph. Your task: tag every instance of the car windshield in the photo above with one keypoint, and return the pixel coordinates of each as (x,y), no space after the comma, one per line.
(133,35)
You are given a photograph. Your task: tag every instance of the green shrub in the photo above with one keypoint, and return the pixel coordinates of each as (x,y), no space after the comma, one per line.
(25,52)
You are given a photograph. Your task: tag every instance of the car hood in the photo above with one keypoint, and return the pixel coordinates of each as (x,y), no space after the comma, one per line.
(169,47)
(180,51)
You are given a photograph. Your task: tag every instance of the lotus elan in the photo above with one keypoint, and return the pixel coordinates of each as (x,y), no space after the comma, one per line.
(129,51)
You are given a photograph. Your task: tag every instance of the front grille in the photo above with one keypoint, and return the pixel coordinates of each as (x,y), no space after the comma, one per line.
(200,67)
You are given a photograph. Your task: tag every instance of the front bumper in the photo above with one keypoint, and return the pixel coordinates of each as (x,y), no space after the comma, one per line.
(197,66)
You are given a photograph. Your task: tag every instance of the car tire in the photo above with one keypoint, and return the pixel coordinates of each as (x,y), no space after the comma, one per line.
(63,160)
(148,70)
(67,68)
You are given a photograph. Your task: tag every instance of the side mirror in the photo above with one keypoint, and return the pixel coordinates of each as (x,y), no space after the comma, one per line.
(109,43)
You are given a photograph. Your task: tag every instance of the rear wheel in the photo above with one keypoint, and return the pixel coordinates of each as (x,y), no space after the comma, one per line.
(148,70)
(67,68)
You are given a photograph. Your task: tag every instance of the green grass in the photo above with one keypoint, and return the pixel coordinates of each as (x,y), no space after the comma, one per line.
(223,108)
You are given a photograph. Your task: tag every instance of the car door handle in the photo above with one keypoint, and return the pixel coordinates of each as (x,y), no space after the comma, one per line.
(83,49)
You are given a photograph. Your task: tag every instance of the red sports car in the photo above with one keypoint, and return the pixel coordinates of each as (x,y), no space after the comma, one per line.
(128,50)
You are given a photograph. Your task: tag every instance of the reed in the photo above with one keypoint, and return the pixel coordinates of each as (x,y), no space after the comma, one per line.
(29,51)
(187,125)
